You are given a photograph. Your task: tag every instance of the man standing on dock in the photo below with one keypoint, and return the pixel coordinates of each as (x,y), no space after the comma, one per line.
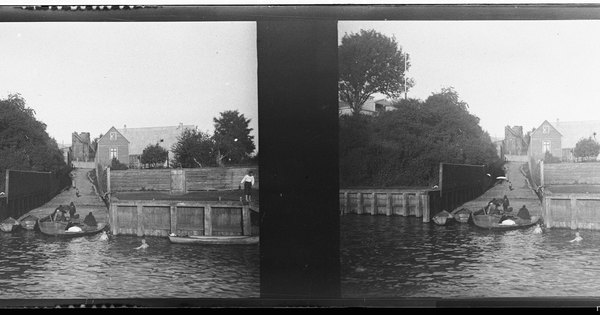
(248,182)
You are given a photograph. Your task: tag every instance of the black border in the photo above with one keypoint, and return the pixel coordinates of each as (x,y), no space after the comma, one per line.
(298,120)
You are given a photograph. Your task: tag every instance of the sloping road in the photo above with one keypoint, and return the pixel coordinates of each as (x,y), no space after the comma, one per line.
(521,194)
(87,201)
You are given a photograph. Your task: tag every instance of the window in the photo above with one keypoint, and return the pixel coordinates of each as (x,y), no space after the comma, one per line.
(114,153)
(113,136)
(546,146)
(546,129)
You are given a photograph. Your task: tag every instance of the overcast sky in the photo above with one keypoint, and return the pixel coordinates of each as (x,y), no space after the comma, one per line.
(509,72)
(89,76)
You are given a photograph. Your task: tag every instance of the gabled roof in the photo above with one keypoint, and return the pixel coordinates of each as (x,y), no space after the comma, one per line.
(140,138)
(535,132)
(108,134)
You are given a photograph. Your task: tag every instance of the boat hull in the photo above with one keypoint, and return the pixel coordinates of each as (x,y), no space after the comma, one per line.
(491,222)
(59,229)
(29,222)
(220,240)
(442,217)
(8,227)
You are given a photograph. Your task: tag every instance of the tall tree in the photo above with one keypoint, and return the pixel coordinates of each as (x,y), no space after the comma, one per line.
(154,155)
(193,149)
(587,149)
(369,63)
(232,138)
(24,142)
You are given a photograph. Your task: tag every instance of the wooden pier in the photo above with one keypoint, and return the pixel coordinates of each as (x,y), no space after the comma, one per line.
(386,201)
(163,217)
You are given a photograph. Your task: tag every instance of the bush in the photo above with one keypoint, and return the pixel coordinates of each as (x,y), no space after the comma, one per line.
(116,165)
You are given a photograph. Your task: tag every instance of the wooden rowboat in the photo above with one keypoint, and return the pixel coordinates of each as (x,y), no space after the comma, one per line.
(9,224)
(51,228)
(492,222)
(442,217)
(220,240)
(29,222)
(462,215)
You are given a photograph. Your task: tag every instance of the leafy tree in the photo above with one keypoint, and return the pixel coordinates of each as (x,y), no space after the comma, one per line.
(369,63)
(405,146)
(232,138)
(24,142)
(154,155)
(587,149)
(115,164)
(194,149)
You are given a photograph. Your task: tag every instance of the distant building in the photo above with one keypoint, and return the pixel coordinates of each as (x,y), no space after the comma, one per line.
(546,138)
(573,131)
(370,107)
(140,138)
(66,152)
(514,142)
(81,148)
(112,145)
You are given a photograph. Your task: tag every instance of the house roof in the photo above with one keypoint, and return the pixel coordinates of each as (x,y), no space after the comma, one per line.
(537,130)
(573,131)
(140,138)
(108,132)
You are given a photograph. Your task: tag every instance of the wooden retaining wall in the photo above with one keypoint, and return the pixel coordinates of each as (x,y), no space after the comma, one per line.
(385,202)
(179,181)
(571,174)
(575,211)
(162,217)
(77,164)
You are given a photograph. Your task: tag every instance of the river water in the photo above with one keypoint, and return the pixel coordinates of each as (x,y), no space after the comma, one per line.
(41,267)
(393,257)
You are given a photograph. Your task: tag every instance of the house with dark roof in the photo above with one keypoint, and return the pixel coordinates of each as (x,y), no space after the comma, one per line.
(112,145)
(370,107)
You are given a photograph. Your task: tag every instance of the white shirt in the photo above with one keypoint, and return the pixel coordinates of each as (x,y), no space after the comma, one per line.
(248,178)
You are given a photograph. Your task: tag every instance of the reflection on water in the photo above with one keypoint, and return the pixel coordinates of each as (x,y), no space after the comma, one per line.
(404,257)
(36,266)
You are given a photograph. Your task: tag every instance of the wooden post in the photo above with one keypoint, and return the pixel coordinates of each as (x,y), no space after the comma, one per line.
(547,213)
(542,173)
(426,211)
(173,212)
(247,224)
(207,220)
(140,220)
(373,204)
(405,204)
(346,202)
(360,203)
(112,219)
(573,212)
(7,185)
(388,204)
(419,207)
(108,179)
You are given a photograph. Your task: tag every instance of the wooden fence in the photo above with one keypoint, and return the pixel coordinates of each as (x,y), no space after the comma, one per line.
(570,174)
(575,211)
(386,202)
(179,181)
(162,217)
(26,190)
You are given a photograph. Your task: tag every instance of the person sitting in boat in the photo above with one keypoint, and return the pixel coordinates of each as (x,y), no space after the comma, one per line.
(90,220)
(493,210)
(505,203)
(538,229)
(72,210)
(58,215)
(143,246)
(577,238)
(524,213)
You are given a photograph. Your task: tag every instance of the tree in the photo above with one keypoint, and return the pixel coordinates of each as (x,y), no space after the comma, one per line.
(115,164)
(194,149)
(587,149)
(232,138)
(370,63)
(24,142)
(154,155)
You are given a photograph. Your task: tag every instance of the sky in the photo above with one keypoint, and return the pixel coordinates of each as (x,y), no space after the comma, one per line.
(508,72)
(90,76)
